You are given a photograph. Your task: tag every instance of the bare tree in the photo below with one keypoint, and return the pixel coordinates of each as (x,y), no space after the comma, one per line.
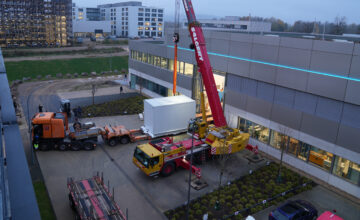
(93,91)
(285,133)
(225,153)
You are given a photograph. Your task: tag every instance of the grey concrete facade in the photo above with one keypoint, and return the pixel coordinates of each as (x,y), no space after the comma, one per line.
(312,87)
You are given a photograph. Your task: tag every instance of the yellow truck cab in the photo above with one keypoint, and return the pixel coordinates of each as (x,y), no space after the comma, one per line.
(148,159)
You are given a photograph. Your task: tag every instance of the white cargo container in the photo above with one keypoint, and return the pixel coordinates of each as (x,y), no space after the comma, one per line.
(168,115)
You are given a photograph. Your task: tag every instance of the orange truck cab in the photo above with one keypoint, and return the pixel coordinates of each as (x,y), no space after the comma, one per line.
(50,130)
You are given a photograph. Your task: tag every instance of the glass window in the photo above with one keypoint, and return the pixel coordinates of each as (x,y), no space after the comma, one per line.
(150,59)
(262,133)
(320,157)
(277,139)
(241,124)
(347,169)
(293,146)
(171,65)
(144,57)
(157,61)
(189,69)
(163,63)
(304,151)
(180,67)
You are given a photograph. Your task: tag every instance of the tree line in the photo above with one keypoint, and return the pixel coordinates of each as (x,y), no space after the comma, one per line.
(338,27)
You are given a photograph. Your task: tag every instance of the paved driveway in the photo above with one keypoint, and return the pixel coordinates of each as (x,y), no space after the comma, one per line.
(144,197)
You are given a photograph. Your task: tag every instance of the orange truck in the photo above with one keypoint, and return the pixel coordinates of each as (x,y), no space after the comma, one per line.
(51,130)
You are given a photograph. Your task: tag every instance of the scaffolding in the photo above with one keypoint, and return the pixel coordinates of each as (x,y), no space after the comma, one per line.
(35,23)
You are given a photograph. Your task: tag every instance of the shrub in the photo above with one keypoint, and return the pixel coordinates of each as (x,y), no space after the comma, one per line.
(198,212)
(237,196)
(222,201)
(233,209)
(239,207)
(204,208)
(248,205)
(258,195)
(196,205)
(228,204)
(228,198)
(243,200)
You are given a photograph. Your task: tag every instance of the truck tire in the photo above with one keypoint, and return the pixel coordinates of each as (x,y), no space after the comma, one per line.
(168,169)
(112,142)
(88,145)
(71,202)
(44,146)
(75,146)
(62,146)
(124,140)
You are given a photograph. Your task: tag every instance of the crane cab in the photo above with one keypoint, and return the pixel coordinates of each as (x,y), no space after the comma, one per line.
(148,159)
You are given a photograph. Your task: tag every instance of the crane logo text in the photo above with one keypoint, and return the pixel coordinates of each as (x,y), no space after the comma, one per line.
(197,44)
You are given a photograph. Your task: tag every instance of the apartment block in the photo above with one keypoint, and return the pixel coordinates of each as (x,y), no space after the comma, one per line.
(35,23)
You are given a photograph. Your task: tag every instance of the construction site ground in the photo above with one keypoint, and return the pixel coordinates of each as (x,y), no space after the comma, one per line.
(144,197)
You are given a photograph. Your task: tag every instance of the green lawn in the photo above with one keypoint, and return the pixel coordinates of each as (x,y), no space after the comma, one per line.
(43,200)
(18,70)
(24,53)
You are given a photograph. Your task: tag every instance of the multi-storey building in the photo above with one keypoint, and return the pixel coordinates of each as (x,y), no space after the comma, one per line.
(89,22)
(131,19)
(85,13)
(296,94)
(35,23)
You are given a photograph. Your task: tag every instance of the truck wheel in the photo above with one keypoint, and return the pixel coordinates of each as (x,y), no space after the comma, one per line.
(112,142)
(124,140)
(168,169)
(71,202)
(88,146)
(44,147)
(75,146)
(62,146)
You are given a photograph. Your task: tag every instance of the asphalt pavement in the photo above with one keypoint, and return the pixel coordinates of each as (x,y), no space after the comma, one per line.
(324,200)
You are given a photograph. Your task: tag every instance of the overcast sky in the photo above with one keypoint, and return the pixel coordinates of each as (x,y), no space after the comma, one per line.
(287,10)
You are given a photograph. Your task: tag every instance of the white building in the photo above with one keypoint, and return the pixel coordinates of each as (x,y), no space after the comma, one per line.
(132,19)
(232,24)
(83,28)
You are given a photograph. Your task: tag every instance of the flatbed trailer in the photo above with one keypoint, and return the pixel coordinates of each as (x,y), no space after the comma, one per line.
(91,200)
(119,134)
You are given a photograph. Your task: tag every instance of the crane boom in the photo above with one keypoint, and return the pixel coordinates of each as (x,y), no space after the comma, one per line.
(203,62)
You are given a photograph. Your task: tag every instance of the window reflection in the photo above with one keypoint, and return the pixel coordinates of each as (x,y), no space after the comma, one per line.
(347,169)
(277,140)
(189,69)
(320,157)
(293,146)
(304,151)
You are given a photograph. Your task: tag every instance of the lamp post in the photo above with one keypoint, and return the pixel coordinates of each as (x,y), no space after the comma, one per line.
(189,180)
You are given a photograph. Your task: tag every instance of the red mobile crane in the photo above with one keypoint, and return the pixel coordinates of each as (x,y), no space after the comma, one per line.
(164,156)
(220,137)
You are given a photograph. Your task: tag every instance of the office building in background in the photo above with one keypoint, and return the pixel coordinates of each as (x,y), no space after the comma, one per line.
(35,23)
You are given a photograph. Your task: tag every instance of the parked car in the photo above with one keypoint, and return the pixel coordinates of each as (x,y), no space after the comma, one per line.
(327,215)
(294,210)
